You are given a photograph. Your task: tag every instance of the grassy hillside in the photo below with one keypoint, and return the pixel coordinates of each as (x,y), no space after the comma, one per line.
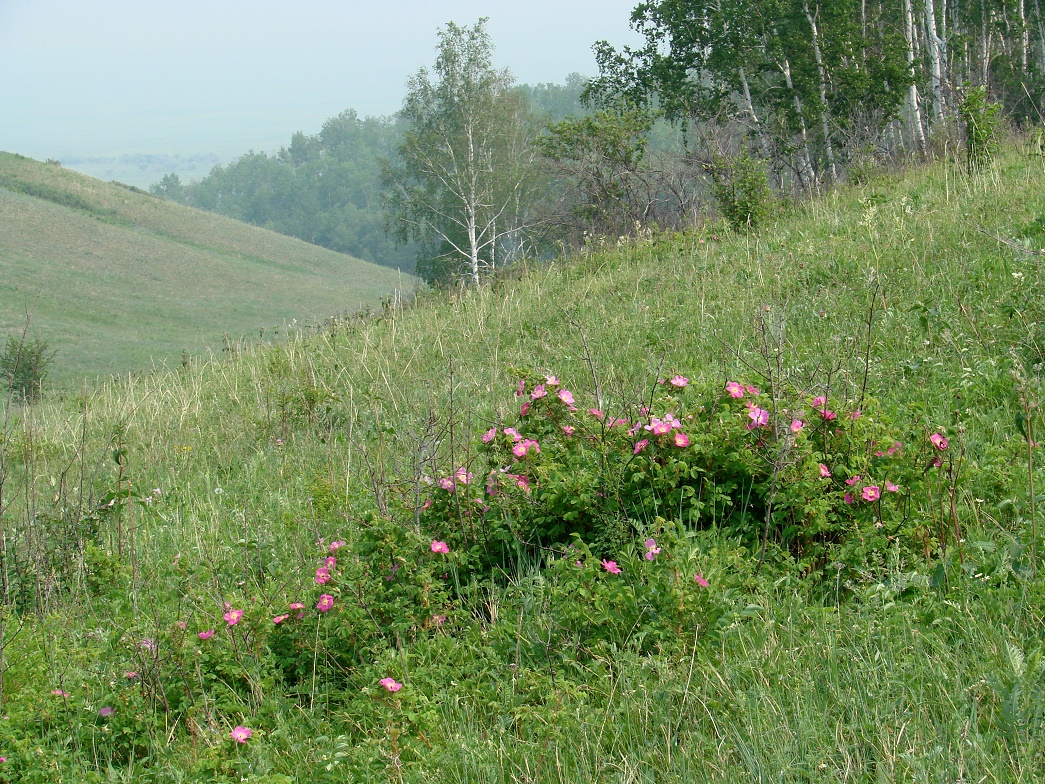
(894,636)
(116,279)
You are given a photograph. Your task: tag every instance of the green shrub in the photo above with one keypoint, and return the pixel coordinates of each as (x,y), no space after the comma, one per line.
(24,365)
(817,477)
(740,185)
(982,127)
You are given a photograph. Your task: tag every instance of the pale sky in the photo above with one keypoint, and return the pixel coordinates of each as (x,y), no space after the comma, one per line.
(117,77)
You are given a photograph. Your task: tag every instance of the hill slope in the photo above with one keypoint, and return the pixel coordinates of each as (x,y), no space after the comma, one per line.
(294,577)
(115,278)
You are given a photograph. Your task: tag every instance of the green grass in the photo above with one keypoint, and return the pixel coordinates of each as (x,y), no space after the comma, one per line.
(907,669)
(117,280)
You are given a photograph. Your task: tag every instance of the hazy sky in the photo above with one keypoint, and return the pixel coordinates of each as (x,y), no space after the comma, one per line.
(109,77)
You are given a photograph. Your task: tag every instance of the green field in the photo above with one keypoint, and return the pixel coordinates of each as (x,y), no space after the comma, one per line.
(117,280)
(827,639)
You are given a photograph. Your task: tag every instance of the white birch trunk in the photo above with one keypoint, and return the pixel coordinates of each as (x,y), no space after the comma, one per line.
(748,103)
(1041,34)
(914,113)
(935,46)
(472,209)
(825,118)
(805,167)
(1024,36)
(985,42)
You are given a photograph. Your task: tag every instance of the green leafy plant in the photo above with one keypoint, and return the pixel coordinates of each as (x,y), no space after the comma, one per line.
(982,121)
(818,477)
(24,365)
(740,185)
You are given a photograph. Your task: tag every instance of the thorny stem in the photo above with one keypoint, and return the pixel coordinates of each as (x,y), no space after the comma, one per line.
(867,347)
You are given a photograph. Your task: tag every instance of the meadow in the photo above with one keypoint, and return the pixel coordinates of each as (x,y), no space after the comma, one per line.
(693,507)
(117,280)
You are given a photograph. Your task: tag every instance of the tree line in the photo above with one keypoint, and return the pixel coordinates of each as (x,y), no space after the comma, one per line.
(323,188)
(723,103)
(815,86)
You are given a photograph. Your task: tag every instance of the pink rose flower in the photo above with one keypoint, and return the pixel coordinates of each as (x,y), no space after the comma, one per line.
(440,547)
(734,389)
(658,427)
(241,734)
(326,601)
(391,684)
(232,617)
(938,441)
(206,635)
(759,417)
(871,493)
(611,566)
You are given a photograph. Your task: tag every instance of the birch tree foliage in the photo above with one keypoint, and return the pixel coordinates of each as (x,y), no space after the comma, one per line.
(601,163)
(805,77)
(463,182)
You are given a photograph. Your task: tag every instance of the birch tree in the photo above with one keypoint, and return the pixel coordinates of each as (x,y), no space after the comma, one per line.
(463,179)
(806,77)
(937,59)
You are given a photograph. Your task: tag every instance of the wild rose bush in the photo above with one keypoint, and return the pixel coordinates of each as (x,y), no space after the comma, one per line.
(384,587)
(654,595)
(805,471)
(605,507)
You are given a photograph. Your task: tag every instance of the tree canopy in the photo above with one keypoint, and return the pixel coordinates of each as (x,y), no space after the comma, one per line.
(462,183)
(324,188)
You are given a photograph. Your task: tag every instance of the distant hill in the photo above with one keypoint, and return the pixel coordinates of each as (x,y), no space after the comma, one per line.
(116,278)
